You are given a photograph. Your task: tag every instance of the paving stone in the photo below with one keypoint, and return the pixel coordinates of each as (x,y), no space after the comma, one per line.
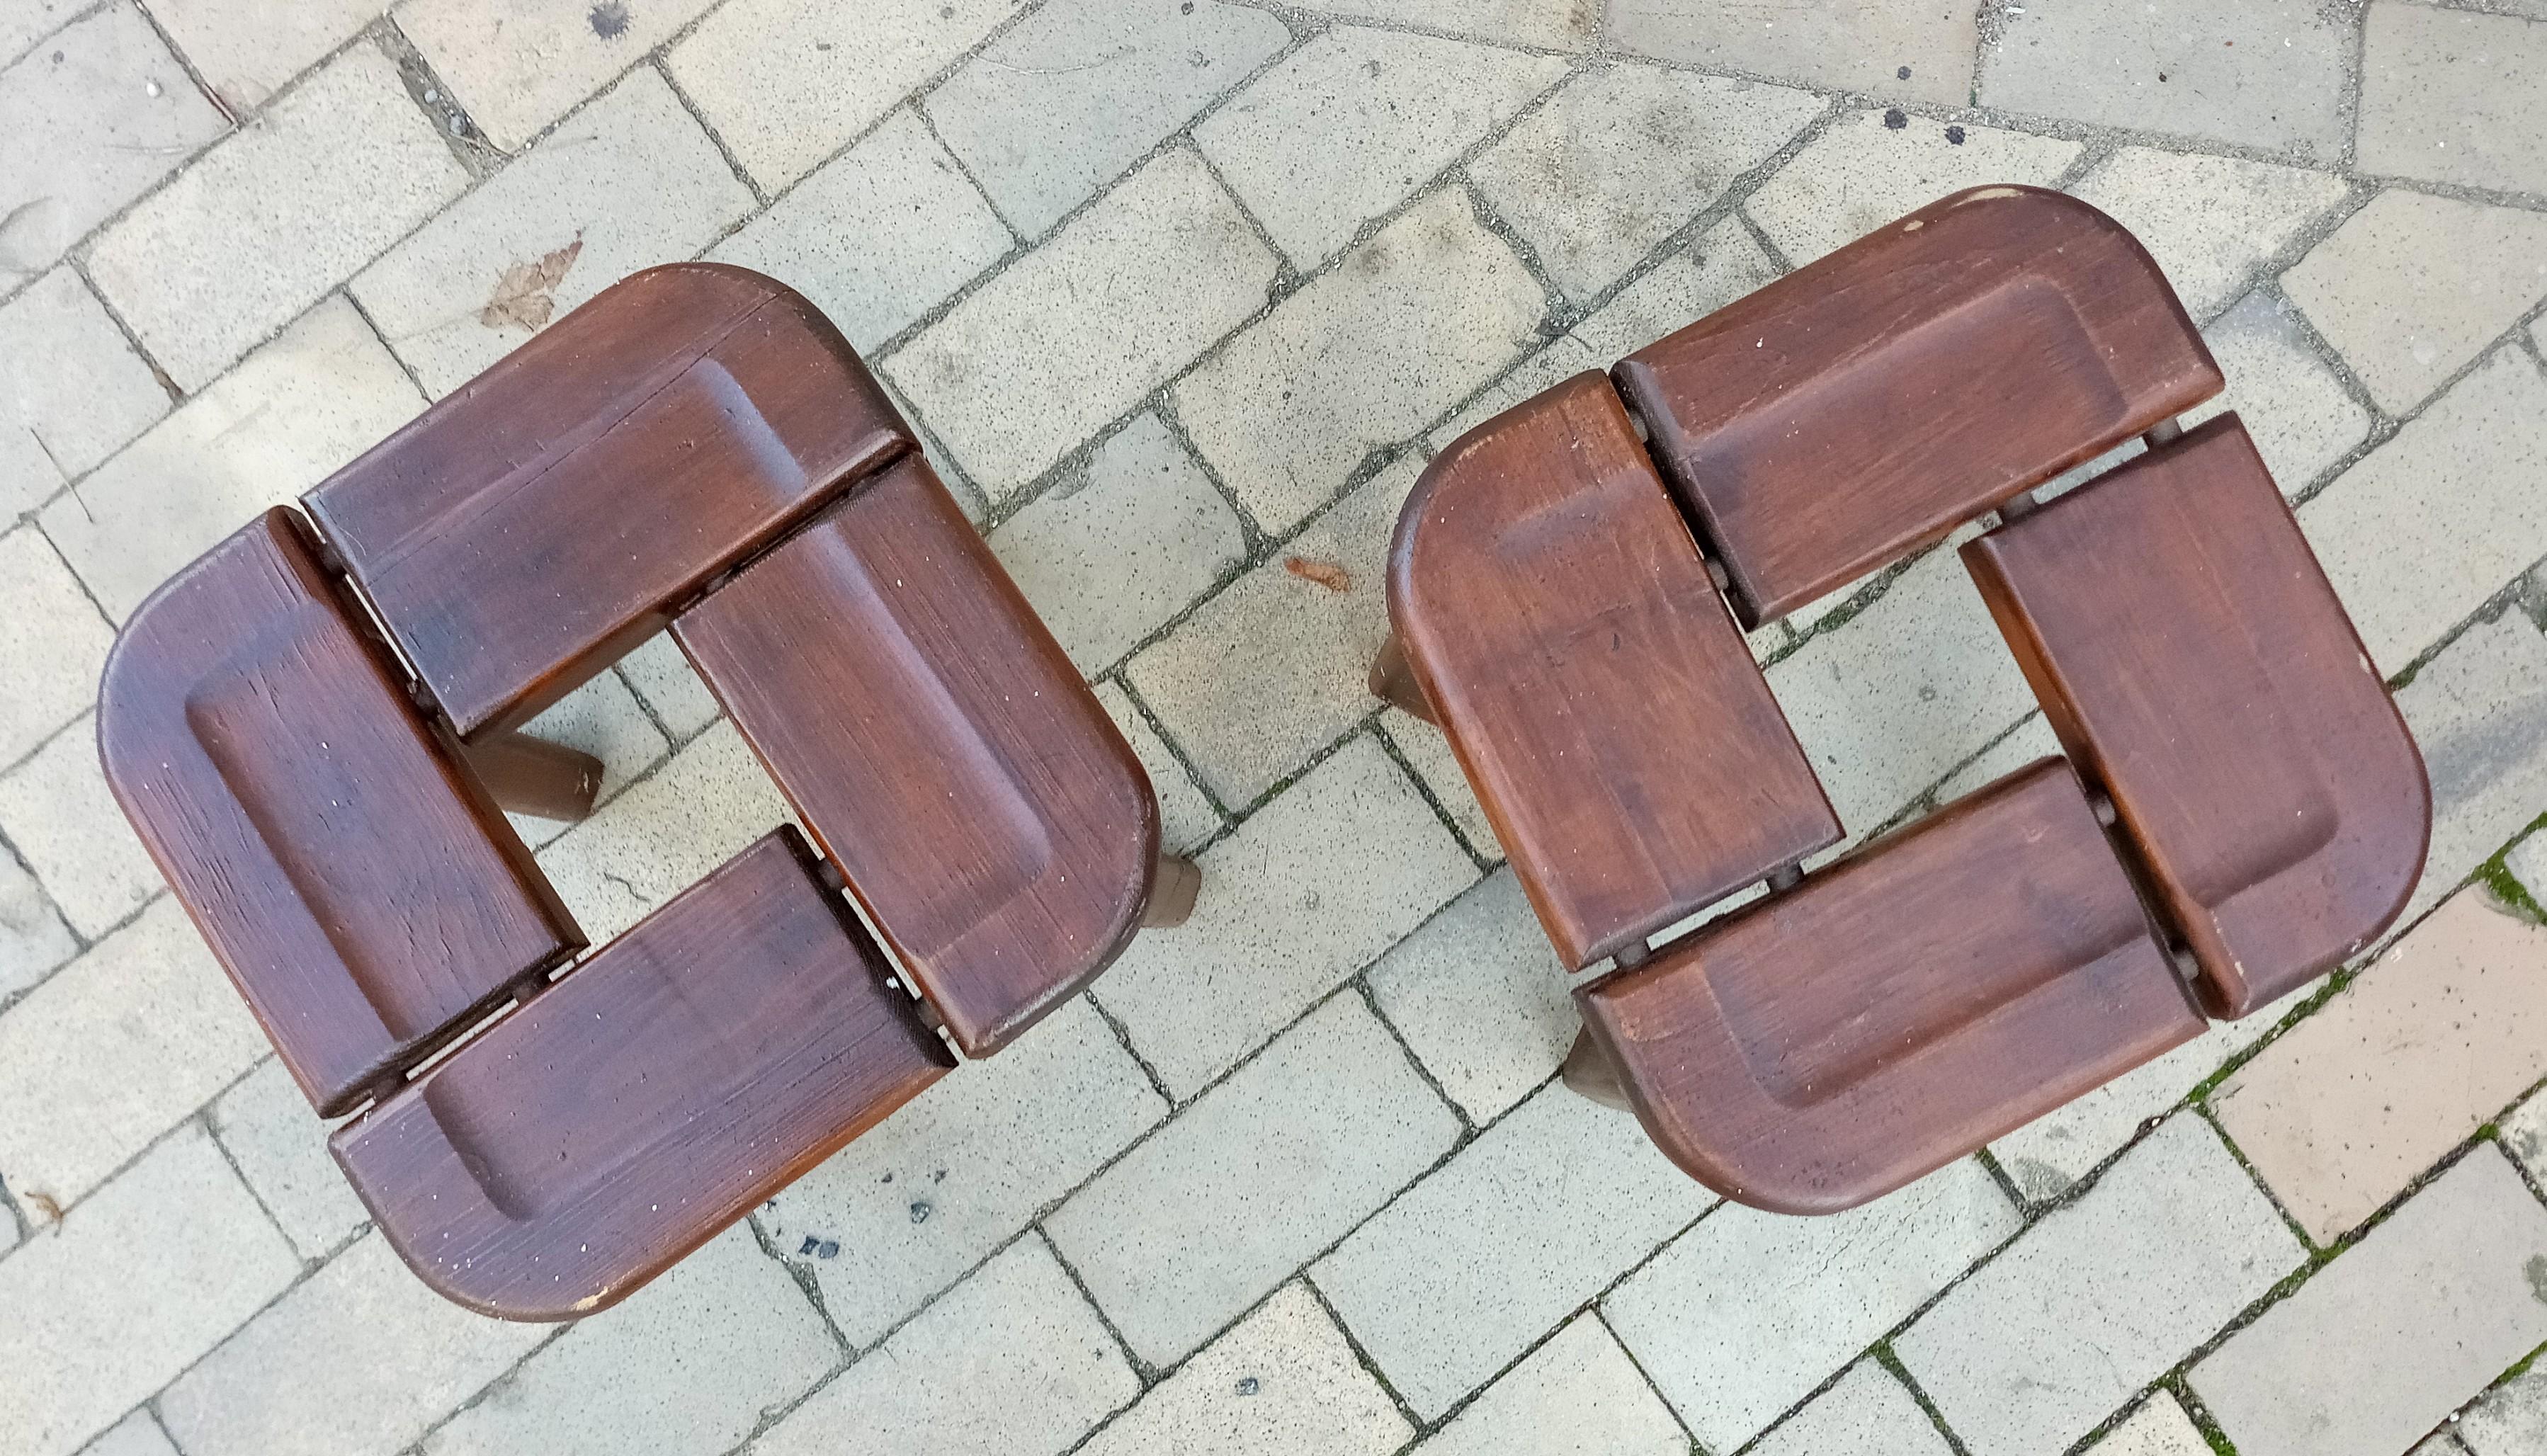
(24,22)
(57,810)
(245,50)
(136,1435)
(1277,665)
(113,1051)
(1223,1203)
(1437,768)
(358,1359)
(265,224)
(2032,739)
(1891,701)
(1307,891)
(2452,97)
(1186,815)
(517,67)
(2260,73)
(1622,156)
(2529,865)
(129,1290)
(2448,1027)
(1467,1269)
(879,236)
(33,937)
(908,1208)
(1745,1314)
(280,1145)
(2479,713)
(2413,286)
(51,642)
(1282,1380)
(663,680)
(1865,172)
(1117,547)
(71,389)
(323,392)
(2159,1427)
(1390,110)
(1863,47)
(2100,1297)
(703,807)
(1577,1395)
(604,719)
(1720,266)
(2434,522)
(2302,418)
(1072,335)
(661,1372)
(1010,1362)
(1480,998)
(1362,357)
(1070,96)
(628,182)
(783,108)
(2511,1419)
(95,118)
(1869,1412)
(2048,1155)
(2210,222)
(1552,25)
(2382,1343)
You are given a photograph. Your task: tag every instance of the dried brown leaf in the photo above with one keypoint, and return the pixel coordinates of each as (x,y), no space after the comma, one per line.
(1326,573)
(525,295)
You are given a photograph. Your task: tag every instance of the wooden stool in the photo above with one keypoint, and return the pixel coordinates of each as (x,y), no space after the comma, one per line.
(2238,806)
(313,728)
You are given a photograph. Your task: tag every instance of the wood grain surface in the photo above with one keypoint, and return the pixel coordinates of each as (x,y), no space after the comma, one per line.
(622,1117)
(2191,657)
(1556,616)
(1898,1008)
(1869,402)
(551,514)
(355,880)
(940,748)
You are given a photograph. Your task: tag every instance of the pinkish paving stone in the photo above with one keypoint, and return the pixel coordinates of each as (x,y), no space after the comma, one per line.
(2431,1041)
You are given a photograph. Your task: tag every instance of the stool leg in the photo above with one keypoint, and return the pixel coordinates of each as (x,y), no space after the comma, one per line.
(1392,679)
(533,776)
(1173,884)
(1590,1074)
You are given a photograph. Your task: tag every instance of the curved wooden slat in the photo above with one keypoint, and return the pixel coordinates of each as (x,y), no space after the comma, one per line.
(1899,1008)
(364,894)
(2192,658)
(581,1146)
(549,515)
(1871,402)
(1556,615)
(940,748)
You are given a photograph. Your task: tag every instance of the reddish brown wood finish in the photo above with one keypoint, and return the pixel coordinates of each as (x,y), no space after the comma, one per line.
(731,1040)
(940,748)
(527,775)
(1899,1008)
(2190,654)
(360,887)
(1555,613)
(1869,402)
(554,512)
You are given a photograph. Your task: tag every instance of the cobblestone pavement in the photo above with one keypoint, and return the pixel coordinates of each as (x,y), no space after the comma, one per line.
(1184,289)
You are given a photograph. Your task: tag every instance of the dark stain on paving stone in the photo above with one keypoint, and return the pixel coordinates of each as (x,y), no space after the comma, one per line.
(2536,1270)
(1895,119)
(609,20)
(1955,135)
(1247,1386)
(1903,74)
